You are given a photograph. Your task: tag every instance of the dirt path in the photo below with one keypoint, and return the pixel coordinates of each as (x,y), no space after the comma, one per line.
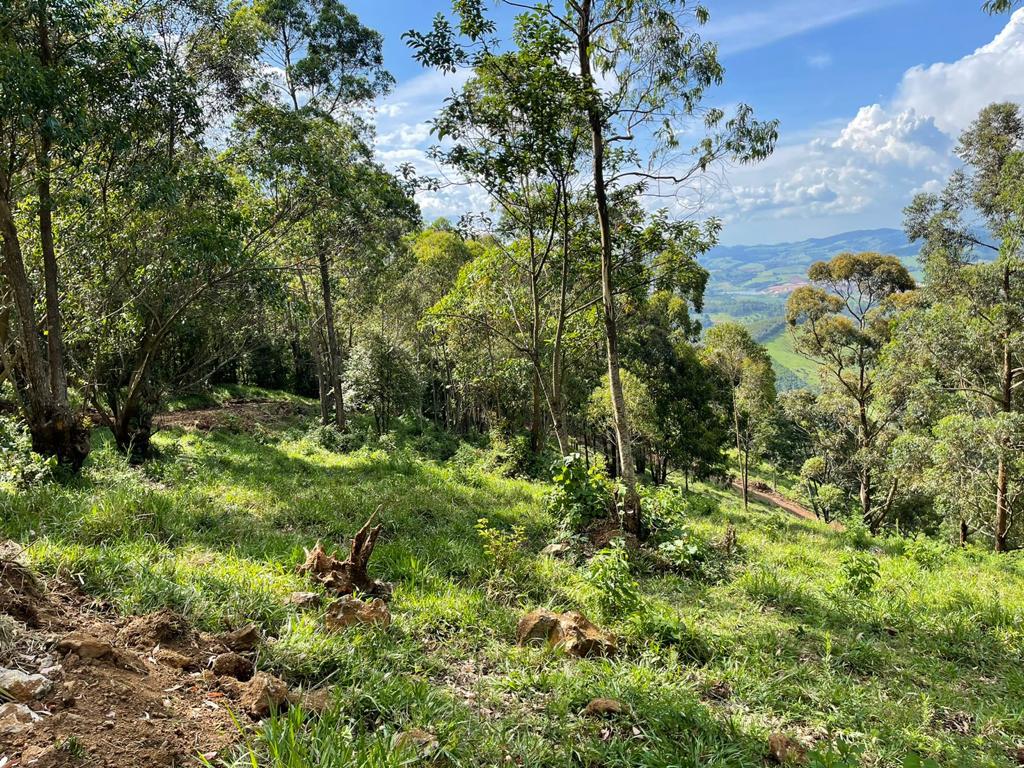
(777,499)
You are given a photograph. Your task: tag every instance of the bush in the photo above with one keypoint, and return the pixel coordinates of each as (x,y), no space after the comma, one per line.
(510,455)
(695,557)
(582,494)
(859,573)
(20,466)
(618,593)
(926,552)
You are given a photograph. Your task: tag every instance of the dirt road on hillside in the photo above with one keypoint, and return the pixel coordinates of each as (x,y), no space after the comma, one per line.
(777,499)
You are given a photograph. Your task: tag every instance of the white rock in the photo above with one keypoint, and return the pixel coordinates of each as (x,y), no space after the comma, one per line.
(22,686)
(15,718)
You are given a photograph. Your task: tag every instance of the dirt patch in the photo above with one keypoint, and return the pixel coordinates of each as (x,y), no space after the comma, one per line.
(123,693)
(238,415)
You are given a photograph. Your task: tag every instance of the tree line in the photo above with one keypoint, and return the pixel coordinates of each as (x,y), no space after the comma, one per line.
(189,196)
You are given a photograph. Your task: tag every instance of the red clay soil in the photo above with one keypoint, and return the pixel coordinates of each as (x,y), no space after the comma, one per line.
(777,499)
(120,692)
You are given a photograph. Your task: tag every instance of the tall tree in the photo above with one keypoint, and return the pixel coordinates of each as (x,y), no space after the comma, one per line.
(641,69)
(842,322)
(964,339)
(64,67)
(746,366)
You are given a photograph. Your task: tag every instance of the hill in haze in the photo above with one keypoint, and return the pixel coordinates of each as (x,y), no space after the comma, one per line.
(750,284)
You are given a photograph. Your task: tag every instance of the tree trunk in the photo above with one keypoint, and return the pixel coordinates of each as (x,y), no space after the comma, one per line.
(632,521)
(333,351)
(55,430)
(1002,521)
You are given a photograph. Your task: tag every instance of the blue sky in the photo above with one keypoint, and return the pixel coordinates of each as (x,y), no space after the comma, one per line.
(870,94)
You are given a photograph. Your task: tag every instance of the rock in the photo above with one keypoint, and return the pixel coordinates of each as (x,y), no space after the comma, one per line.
(22,686)
(350,610)
(417,740)
(785,750)
(264,694)
(604,708)
(173,659)
(34,755)
(245,639)
(557,549)
(304,599)
(233,665)
(571,631)
(16,718)
(85,646)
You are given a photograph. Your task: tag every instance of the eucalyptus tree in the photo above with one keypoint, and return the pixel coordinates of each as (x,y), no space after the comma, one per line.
(639,70)
(747,368)
(841,321)
(961,346)
(298,135)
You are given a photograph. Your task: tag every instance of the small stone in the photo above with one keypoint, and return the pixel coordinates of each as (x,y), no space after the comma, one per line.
(245,639)
(85,646)
(557,549)
(304,599)
(350,610)
(233,665)
(34,755)
(417,740)
(173,659)
(264,694)
(315,701)
(16,718)
(22,686)
(785,750)
(604,708)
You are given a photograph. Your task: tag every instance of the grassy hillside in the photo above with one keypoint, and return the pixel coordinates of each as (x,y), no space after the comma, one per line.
(788,636)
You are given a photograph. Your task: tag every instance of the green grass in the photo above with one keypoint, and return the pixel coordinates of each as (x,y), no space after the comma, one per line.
(780,347)
(216,525)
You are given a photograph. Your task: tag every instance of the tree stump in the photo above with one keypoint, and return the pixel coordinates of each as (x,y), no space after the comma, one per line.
(348,576)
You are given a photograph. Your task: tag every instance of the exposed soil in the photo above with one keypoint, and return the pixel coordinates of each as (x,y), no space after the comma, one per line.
(239,415)
(124,692)
(769,496)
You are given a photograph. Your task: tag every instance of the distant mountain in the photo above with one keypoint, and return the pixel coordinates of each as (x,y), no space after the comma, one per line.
(750,283)
(751,270)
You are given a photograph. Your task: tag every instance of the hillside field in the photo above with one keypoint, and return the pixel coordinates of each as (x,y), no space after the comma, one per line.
(785,636)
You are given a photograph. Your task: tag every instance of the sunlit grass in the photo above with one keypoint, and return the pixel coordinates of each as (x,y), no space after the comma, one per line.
(216,525)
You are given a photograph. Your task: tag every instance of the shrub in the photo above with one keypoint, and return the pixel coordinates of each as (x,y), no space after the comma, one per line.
(860,573)
(581,495)
(609,574)
(19,464)
(695,557)
(510,455)
(926,552)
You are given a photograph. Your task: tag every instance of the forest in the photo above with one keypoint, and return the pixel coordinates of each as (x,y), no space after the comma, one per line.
(584,526)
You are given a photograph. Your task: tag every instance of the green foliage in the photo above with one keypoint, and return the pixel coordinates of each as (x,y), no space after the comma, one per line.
(695,557)
(859,573)
(926,551)
(19,464)
(610,575)
(581,494)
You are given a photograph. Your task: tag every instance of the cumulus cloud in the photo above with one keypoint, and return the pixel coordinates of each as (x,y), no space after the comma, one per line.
(864,171)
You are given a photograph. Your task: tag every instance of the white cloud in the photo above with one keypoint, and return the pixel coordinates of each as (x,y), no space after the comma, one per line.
(863,172)
(954,93)
(778,20)
(819,61)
